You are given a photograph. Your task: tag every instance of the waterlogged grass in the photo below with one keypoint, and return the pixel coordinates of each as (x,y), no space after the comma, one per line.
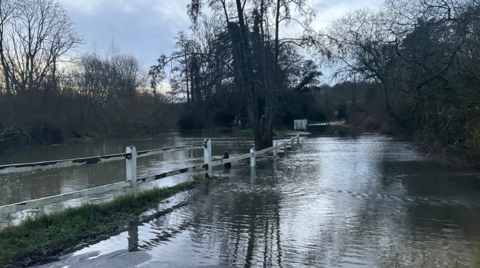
(40,239)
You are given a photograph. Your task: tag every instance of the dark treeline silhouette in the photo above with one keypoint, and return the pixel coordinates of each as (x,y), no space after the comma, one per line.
(411,67)
(50,97)
(419,67)
(235,67)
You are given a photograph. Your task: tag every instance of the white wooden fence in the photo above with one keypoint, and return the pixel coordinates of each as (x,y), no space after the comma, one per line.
(132,181)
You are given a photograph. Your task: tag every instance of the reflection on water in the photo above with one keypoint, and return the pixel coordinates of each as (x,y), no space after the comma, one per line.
(335,201)
(37,184)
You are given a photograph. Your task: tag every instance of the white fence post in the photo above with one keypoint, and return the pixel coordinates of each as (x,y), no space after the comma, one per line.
(252,157)
(207,154)
(275,149)
(131,169)
(253,175)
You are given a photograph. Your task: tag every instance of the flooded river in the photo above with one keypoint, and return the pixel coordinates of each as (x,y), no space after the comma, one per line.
(337,200)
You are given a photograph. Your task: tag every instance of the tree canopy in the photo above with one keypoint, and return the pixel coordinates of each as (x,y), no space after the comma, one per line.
(236,65)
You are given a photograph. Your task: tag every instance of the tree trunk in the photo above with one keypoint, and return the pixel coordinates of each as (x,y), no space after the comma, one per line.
(354,97)
(6,70)
(192,86)
(198,93)
(270,90)
(246,71)
(54,74)
(6,74)
(186,75)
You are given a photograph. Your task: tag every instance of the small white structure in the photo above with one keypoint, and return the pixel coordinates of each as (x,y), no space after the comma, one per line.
(300,124)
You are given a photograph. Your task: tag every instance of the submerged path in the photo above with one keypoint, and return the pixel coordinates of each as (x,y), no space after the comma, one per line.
(339,201)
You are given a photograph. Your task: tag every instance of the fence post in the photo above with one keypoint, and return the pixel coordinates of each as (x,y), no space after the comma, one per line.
(275,149)
(291,141)
(133,238)
(207,154)
(252,157)
(285,147)
(298,138)
(253,175)
(131,168)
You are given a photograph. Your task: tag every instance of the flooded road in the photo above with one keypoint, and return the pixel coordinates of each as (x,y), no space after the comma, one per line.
(37,184)
(335,201)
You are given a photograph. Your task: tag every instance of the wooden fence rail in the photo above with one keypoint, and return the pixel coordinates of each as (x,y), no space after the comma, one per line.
(130,156)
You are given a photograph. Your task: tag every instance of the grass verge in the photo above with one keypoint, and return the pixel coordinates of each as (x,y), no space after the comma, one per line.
(40,239)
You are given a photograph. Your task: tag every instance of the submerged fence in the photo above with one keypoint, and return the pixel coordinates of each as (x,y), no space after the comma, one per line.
(130,156)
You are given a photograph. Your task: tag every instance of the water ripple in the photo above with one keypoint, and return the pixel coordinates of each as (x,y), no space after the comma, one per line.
(336,201)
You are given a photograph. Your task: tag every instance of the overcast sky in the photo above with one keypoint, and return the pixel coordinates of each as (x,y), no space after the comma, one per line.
(145,28)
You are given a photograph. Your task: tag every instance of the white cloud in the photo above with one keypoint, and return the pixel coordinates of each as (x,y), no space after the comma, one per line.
(327,11)
(146,28)
(87,6)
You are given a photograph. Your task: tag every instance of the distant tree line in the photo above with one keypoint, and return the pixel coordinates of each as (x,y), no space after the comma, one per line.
(51,96)
(232,69)
(413,67)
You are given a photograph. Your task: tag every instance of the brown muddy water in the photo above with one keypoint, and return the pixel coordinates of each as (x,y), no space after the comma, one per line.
(339,199)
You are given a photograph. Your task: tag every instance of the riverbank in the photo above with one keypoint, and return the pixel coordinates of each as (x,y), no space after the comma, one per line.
(40,239)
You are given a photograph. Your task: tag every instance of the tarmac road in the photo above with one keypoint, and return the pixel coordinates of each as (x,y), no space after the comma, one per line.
(117,259)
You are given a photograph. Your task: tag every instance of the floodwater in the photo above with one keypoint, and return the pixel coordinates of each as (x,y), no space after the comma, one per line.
(340,199)
(20,187)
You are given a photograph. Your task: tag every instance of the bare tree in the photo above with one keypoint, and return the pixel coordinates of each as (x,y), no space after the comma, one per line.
(423,55)
(38,37)
(7,13)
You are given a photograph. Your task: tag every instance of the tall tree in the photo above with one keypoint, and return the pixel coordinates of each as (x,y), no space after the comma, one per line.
(423,55)
(237,17)
(7,13)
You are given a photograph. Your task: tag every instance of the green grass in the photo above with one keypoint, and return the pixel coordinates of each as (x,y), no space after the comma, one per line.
(41,238)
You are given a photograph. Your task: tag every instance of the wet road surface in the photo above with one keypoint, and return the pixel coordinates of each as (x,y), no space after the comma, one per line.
(335,201)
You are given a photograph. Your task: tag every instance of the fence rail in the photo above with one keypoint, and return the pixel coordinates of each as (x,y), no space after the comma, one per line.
(61,197)
(130,156)
(45,165)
